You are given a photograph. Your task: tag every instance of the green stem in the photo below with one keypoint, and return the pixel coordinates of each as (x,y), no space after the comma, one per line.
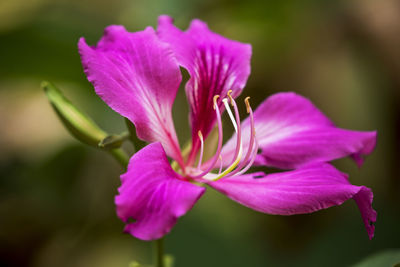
(120,156)
(159,252)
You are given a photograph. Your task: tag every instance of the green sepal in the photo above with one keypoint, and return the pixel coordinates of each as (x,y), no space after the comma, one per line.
(78,124)
(113,141)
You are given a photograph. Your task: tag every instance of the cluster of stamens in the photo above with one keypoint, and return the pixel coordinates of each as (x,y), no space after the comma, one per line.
(240,163)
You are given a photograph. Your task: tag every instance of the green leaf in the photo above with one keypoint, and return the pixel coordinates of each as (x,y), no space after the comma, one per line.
(384,258)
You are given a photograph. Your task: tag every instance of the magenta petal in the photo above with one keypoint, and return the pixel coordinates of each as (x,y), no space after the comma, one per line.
(215,64)
(311,188)
(292,132)
(138,76)
(317,145)
(152,195)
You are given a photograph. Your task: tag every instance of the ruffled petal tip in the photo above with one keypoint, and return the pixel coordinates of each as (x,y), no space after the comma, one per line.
(305,190)
(138,76)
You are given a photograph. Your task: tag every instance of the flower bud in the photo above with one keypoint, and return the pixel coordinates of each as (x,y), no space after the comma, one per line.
(78,124)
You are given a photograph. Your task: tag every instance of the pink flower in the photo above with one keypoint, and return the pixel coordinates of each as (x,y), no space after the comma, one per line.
(137,74)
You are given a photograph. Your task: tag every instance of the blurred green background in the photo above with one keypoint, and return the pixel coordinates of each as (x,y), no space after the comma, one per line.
(57,196)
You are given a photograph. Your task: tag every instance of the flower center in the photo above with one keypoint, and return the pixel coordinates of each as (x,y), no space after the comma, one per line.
(240,162)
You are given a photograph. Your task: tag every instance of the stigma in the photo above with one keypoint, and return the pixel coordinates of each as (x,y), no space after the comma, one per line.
(243,157)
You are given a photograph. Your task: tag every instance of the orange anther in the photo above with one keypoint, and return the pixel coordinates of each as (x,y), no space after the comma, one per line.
(215,100)
(229,95)
(246,101)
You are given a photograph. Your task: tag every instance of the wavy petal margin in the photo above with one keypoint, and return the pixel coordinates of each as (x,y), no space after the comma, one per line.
(138,76)
(152,196)
(292,132)
(215,64)
(306,190)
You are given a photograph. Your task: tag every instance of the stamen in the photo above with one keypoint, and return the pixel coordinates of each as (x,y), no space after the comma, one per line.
(239,148)
(201,149)
(229,95)
(237,166)
(192,156)
(252,137)
(246,101)
(253,157)
(220,137)
(215,105)
(231,167)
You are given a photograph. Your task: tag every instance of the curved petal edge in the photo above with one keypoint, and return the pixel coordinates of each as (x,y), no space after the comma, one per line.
(138,76)
(306,190)
(292,132)
(215,64)
(152,196)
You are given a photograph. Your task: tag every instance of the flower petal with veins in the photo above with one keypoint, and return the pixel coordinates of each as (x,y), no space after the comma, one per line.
(308,189)
(292,132)
(138,76)
(215,64)
(153,195)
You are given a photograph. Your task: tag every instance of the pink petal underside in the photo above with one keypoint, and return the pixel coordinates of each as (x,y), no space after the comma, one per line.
(292,132)
(138,76)
(215,64)
(308,189)
(153,195)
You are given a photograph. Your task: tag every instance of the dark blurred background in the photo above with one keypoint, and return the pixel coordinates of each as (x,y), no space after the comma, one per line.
(57,195)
